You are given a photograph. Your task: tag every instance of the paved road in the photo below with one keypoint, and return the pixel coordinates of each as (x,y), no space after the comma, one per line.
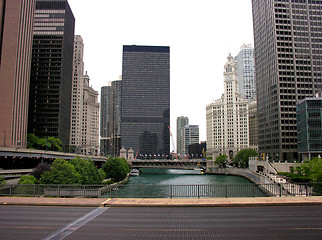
(21,222)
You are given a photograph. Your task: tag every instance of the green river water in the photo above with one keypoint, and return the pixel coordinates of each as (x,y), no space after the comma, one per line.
(182,177)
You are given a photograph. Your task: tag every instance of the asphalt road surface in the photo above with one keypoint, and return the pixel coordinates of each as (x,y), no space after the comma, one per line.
(21,222)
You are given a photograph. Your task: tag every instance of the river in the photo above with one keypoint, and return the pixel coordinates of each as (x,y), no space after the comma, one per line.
(182,177)
(184,183)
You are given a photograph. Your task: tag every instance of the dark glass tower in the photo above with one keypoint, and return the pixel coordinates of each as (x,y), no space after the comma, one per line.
(288,60)
(51,71)
(145,114)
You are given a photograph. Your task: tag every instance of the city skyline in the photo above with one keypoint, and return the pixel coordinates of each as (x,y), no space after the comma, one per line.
(200,38)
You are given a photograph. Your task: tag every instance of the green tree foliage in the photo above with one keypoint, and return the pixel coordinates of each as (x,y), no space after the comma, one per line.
(102,174)
(40,169)
(2,180)
(28,179)
(116,169)
(310,171)
(61,172)
(221,160)
(49,143)
(242,157)
(86,169)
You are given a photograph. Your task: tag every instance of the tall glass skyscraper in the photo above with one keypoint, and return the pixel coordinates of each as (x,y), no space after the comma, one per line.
(51,70)
(145,114)
(288,60)
(246,72)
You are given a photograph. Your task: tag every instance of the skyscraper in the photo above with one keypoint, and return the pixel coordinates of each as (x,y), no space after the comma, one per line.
(181,122)
(288,59)
(227,118)
(111,118)
(309,127)
(77,95)
(90,122)
(189,135)
(246,72)
(16,26)
(51,71)
(145,114)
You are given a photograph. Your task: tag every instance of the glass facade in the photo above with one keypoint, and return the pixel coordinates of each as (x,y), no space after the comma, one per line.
(309,127)
(246,73)
(145,114)
(51,70)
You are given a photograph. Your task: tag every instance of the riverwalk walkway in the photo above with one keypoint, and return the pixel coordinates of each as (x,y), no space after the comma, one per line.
(162,202)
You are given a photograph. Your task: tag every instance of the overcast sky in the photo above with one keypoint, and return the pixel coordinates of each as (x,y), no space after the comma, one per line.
(200,35)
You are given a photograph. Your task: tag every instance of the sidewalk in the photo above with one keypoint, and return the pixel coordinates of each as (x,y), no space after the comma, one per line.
(162,202)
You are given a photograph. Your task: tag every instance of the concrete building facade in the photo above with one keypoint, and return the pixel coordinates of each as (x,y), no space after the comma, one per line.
(181,122)
(287,38)
(16,29)
(227,118)
(110,143)
(90,123)
(77,95)
(253,125)
(189,135)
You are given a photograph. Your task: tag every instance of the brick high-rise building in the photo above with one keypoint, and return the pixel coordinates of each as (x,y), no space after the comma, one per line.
(288,60)
(16,28)
(52,70)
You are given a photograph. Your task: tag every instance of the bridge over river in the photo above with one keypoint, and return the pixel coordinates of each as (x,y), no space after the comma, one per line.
(170,164)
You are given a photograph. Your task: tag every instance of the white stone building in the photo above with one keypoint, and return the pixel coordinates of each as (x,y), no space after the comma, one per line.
(90,126)
(227,117)
(77,95)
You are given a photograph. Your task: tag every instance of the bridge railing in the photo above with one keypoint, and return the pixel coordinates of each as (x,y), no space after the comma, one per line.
(163,191)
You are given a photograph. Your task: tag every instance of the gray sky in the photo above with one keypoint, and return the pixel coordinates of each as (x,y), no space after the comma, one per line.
(200,35)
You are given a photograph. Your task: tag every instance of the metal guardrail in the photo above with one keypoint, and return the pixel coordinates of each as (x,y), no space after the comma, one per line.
(163,191)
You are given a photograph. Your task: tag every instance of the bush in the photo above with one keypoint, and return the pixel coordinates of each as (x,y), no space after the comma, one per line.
(28,179)
(2,180)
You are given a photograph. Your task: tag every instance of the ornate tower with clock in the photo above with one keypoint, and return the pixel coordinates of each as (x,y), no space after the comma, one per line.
(227,117)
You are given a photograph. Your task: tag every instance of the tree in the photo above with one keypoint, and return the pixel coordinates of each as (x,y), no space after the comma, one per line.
(242,157)
(61,172)
(116,168)
(87,171)
(312,169)
(55,144)
(49,143)
(40,169)
(221,160)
